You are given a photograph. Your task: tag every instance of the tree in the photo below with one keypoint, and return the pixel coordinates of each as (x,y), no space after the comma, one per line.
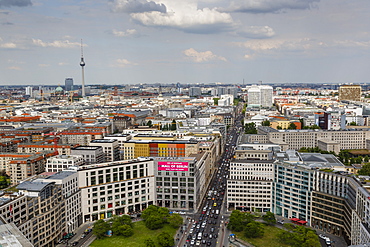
(124,230)
(312,240)
(279,127)
(265,123)
(120,220)
(238,220)
(152,209)
(254,230)
(173,125)
(250,128)
(298,237)
(149,242)
(215,101)
(269,218)
(365,170)
(366,159)
(154,222)
(352,124)
(100,228)
(165,240)
(149,123)
(292,126)
(175,220)
(289,226)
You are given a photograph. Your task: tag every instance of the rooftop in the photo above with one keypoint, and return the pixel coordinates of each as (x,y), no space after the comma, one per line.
(103,141)
(32,186)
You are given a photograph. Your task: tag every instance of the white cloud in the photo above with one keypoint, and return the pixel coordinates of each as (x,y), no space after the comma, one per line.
(127,33)
(62,63)
(14,68)
(200,57)
(44,65)
(137,6)
(186,16)
(303,45)
(257,32)
(123,63)
(273,45)
(56,43)
(268,6)
(8,45)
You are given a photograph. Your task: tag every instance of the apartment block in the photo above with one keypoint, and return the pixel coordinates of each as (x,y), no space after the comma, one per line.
(295,139)
(111,148)
(116,188)
(71,193)
(91,155)
(37,210)
(20,166)
(82,138)
(64,149)
(63,162)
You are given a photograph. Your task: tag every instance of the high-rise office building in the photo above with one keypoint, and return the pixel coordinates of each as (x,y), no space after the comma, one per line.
(260,96)
(29,91)
(68,84)
(195,91)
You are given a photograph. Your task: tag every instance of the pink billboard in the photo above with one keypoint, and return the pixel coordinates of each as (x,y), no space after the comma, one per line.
(173,166)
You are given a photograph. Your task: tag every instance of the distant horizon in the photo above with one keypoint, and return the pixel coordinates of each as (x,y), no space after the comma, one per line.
(199,83)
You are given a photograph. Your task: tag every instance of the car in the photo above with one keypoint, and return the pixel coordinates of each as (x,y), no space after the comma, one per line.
(281,222)
(328,241)
(209,243)
(322,236)
(191,230)
(198,242)
(205,234)
(83,235)
(74,243)
(204,241)
(210,236)
(212,229)
(192,242)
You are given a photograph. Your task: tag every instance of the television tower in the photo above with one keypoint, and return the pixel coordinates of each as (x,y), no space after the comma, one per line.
(82,64)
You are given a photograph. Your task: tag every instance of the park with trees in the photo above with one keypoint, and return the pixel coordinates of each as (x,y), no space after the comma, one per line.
(261,231)
(156,229)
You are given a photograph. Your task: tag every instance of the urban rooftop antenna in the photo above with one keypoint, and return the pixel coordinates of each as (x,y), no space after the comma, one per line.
(82,64)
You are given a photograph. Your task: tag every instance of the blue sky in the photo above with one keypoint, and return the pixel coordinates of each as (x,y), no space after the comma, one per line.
(186,41)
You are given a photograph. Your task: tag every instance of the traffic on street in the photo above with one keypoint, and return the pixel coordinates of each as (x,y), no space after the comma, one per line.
(208,225)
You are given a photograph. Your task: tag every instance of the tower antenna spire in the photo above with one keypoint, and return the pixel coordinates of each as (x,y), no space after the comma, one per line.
(82,64)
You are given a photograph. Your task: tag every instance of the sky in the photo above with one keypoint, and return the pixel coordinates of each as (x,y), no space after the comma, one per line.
(186,41)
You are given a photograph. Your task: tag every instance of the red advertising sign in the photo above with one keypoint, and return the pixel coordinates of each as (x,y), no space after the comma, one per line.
(173,166)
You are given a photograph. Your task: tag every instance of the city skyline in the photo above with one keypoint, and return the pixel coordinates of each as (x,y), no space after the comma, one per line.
(188,41)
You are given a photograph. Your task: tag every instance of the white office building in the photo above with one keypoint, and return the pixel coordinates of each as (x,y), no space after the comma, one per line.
(260,96)
(63,162)
(116,188)
(249,187)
